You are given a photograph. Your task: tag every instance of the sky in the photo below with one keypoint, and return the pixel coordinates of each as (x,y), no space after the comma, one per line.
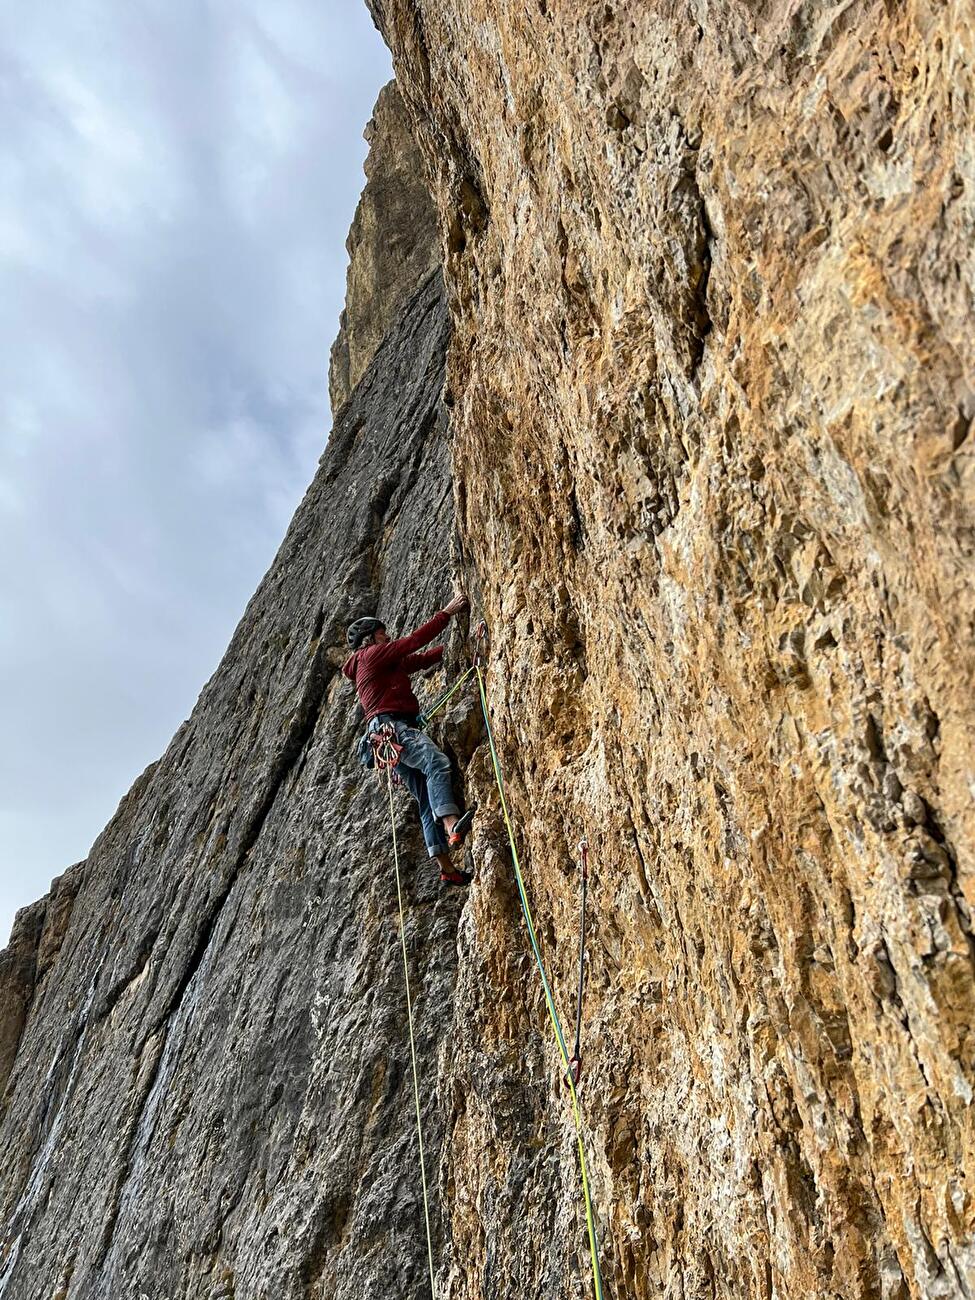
(177,178)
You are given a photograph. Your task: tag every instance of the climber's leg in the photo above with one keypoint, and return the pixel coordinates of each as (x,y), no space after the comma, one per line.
(416,783)
(421,754)
(457,831)
(433,836)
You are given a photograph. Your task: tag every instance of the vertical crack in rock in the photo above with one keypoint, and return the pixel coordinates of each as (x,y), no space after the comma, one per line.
(299,735)
(392,244)
(35,942)
(710,330)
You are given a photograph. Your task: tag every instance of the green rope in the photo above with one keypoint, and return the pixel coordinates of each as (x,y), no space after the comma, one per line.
(549,999)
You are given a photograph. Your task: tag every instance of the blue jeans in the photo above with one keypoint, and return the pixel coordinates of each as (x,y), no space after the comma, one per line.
(425,771)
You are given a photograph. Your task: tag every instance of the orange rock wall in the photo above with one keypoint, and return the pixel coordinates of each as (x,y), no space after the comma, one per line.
(710,269)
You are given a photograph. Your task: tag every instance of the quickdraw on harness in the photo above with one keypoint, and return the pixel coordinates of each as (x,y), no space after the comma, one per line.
(571,1076)
(386,751)
(575,1062)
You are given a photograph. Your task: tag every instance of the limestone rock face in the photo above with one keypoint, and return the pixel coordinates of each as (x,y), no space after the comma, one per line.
(392,244)
(705,463)
(710,270)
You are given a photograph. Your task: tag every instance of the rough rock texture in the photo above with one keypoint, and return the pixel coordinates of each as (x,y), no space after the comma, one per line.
(34,945)
(710,380)
(212,1095)
(710,269)
(392,244)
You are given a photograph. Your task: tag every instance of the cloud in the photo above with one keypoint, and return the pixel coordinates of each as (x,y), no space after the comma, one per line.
(176,184)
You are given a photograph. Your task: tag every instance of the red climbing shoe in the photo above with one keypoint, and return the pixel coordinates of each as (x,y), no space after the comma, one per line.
(454,877)
(461,826)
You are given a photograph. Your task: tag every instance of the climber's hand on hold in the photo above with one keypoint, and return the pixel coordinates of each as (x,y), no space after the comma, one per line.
(456,606)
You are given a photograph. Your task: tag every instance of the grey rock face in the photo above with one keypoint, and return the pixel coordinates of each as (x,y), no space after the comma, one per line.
(393,243)
(35,942)
(211,1096)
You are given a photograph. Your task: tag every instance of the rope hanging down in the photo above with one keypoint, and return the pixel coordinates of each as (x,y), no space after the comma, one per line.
(388,757)
(549,1000)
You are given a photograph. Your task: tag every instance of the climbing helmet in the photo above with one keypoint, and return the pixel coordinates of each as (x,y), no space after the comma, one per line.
(360,629)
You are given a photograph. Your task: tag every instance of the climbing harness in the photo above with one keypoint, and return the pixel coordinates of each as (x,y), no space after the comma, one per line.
(575,1063)
(549,999)
(390,757)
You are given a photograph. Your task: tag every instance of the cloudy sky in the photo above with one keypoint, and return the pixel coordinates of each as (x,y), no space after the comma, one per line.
(177,178)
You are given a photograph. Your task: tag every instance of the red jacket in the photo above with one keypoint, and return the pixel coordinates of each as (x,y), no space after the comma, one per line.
(381,673)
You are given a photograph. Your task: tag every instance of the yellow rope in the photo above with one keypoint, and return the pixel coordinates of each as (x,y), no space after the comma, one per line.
(549,1000)
(409,1016)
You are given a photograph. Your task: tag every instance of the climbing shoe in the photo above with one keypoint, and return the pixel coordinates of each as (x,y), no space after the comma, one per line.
(455,877)
(461,826)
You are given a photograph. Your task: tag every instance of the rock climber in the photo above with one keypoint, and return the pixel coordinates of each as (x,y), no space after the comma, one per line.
(380,671)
